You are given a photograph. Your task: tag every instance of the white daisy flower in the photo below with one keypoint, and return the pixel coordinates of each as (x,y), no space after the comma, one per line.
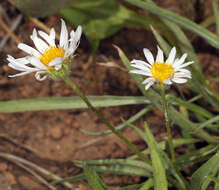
(47,56)
(164,72)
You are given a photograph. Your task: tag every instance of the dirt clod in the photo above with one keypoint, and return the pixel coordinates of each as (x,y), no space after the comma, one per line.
(29,183)
(10,178)
(56,132)
(3,167)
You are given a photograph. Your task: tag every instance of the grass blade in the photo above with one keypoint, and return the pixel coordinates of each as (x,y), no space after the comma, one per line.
(210,121)
(93,179)
(131,187)
(186,23)
(74,102)
(176,143)
(199,177)
(190,106)
(216,14)
(123,125)
(159,173)
(118,166)
(148,184)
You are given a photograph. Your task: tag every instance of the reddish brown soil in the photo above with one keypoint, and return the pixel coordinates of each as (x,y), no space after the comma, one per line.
(54,137)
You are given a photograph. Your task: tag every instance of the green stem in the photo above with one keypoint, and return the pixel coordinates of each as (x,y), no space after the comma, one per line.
(106,122)
(170,139)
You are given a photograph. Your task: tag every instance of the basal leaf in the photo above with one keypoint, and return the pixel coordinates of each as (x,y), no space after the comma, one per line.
(41,8)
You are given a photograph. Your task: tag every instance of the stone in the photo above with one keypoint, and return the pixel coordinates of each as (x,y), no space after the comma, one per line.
(56,132)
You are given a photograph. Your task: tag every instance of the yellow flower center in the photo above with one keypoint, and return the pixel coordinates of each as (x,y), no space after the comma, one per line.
(50,54)
(161,71)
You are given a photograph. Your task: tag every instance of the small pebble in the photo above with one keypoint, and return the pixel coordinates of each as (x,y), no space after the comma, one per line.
(56,132)
(10,178)
(3,166)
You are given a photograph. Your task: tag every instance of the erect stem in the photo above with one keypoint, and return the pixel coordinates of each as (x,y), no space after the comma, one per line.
(105,121)
(170,139)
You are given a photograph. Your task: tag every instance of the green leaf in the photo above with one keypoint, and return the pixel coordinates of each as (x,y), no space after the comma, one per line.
(196,155)
(163,44)
(102,18)
(118,166)
(166,162)
(159,173)
(216,13)
(74,102)
(93,179)
(41,8)
(210,121)
(189,126)
(216,79)
(123,125)
(131,187)
(148,184)
(190,106)
(75,178)
(184,44)
(209,179)
(200,175)
(162,145)
(186,23)
(96,8)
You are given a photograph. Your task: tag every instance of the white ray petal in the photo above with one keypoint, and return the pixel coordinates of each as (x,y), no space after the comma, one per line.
(74,41)
(17,66)
(179,80)
(149,85)
(37,63)
(56,61)
(47,38)
(20,68)
(148,80)
(184,65)
(139,62)
(182,71)
(172,55)
(20,74)
(29,50)
(78,33)
(160,57)
(142,67)
(180,61)
(183,75)
(38,76)
(57,67)
(39,44)
(52,34)
(22,61)
(63,43)
(145,73)
(167,81)
(148,55)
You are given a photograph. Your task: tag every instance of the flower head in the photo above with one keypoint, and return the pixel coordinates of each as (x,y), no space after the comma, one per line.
(164,72)
(48,59)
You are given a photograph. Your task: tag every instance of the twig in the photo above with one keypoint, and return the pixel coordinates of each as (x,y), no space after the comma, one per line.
(10,33)
(13,27)
(43,181)
(108,63)
(25,147)
(12,2)
(34,166)
(42,26)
